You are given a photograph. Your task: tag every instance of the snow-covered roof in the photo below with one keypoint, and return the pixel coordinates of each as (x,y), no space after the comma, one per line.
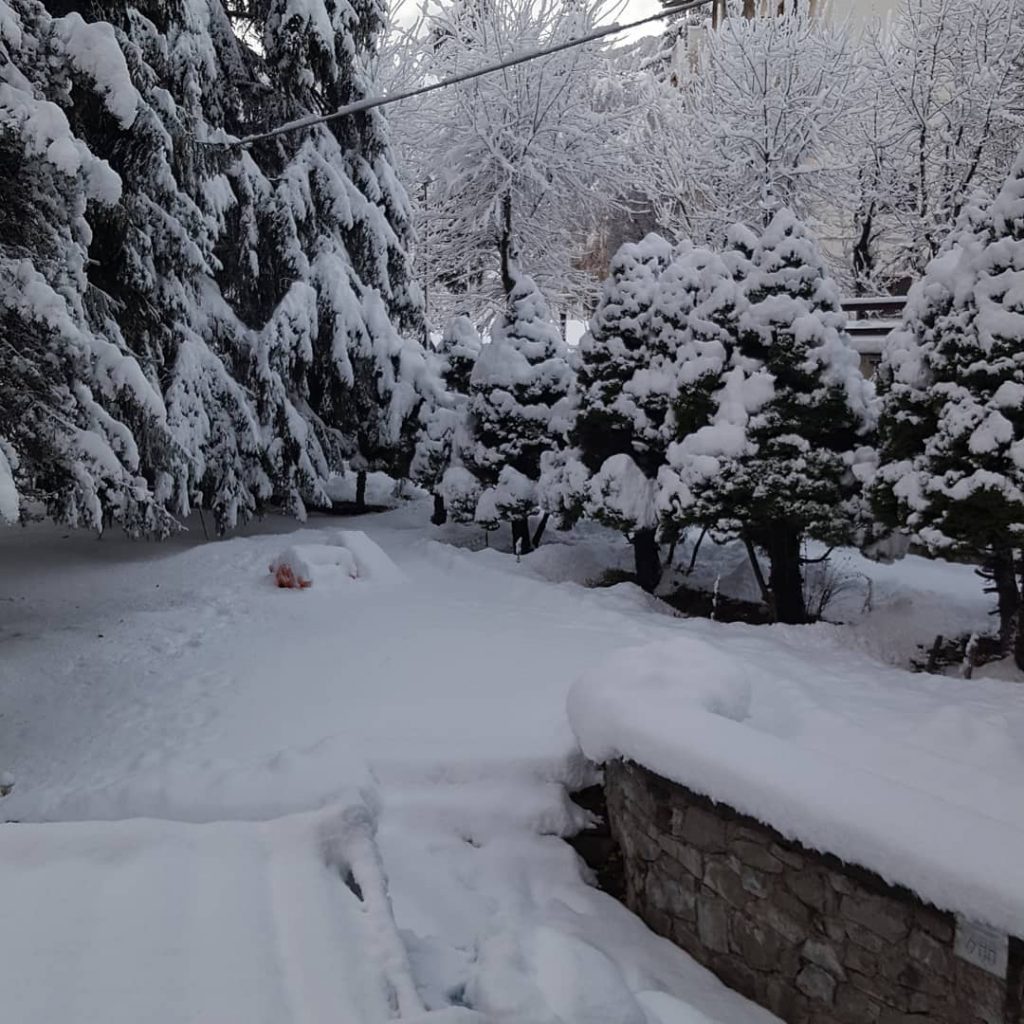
(918,778)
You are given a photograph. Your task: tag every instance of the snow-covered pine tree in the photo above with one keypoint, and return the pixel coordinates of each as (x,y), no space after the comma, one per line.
(81,427)
(952,431)
(156,255)
(459,350)
(444,415)
(622,401)
(781,459)
(700,303)
(517,387)
(260,292)
(346,290)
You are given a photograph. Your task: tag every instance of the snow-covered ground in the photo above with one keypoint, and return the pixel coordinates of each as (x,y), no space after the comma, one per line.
(334,804)
(344,803)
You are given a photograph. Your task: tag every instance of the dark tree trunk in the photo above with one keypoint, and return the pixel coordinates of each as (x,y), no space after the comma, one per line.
(647,559)
(440,516)
(521,536)
(505,245)
(863,257)
(762,583)
(785,579)
(361,491)
(1018,632)
(538,534)
(1000,568)
(1018,640)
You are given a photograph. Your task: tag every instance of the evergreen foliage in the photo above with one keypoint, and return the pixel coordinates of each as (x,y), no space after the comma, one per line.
(622,405)
(82,428)
(441,418)
(952,431)
(783,455)
(220,328)
(520,382)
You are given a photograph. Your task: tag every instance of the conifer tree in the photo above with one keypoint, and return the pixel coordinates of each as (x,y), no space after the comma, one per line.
(460,349)
(780,460)
(345,263)
(952,430)
(622,402)
(442,417)
(82,429)
(520,380)
(263,294)
(157,256)
(700,302)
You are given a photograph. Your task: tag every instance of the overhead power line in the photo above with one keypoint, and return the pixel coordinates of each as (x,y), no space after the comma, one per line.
(371,102)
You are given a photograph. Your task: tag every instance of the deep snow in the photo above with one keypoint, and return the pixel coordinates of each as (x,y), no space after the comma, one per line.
(225,765)
(344,803)
(918,777)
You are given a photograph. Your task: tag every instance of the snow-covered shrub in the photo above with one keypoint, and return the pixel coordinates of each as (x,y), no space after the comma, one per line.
(952,380)
(459,351)
(520,380)
(699,302)
(622,399)
(444,414)
(460,491)
(781,458)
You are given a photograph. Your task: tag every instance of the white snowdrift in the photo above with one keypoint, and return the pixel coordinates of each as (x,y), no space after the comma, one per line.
(299,565)
(371,560)
(352,556)
(917,778)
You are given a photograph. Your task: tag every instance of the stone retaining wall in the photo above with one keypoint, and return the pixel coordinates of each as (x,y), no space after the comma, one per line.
(813,939)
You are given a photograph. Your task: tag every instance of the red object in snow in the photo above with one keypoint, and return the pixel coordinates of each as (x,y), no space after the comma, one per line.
(286,578)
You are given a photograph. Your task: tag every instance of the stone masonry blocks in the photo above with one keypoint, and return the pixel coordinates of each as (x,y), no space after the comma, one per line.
(813,939)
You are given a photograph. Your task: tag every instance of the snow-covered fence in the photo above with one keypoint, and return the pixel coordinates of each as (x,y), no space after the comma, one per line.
(870,320)
(812,938)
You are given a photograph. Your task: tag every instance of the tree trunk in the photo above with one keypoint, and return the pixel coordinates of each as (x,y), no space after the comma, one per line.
(785,579)
(361,491)
(647,559)
(762,584)
(521,536)
(1018,640)
(505,245)
(863,257)
(440,516)
(1000,566)
(538,534)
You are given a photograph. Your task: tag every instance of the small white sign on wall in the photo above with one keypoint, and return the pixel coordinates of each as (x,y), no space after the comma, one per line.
(982,946)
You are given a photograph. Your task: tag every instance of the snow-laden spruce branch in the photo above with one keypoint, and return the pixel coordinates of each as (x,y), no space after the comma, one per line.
(370,102)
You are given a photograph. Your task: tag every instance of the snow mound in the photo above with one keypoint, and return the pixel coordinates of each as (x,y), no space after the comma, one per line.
(917,778)
(353,556)
(299,565)
(371,560)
